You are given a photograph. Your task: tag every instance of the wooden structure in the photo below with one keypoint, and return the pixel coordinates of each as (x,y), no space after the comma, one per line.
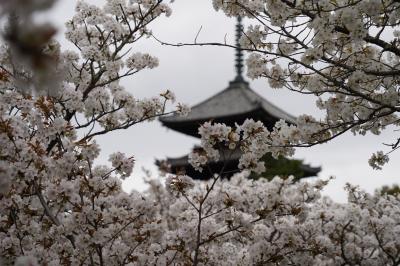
(233,105)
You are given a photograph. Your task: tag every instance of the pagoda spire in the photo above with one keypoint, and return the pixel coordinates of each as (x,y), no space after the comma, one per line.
(239,52)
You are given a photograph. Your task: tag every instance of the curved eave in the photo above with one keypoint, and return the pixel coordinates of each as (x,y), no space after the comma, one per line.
(190,127)
(180,164)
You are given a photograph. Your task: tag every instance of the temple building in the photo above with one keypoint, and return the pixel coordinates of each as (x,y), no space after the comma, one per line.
(233,105)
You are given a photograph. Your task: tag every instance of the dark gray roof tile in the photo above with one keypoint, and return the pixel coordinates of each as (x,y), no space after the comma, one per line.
(237,99)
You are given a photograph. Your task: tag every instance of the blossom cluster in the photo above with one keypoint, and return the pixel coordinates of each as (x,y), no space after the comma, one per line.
(219,138)
(123,165)
(253,140)
(246,222)
(56,206)
(40,126)
(236,222)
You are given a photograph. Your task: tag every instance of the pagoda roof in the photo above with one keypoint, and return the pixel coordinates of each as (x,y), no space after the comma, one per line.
(181,165)
(234,104)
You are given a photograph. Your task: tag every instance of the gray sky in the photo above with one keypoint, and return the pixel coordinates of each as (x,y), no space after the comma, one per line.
(196,73)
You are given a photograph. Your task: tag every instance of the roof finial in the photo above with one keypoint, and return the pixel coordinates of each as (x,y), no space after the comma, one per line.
(239,54)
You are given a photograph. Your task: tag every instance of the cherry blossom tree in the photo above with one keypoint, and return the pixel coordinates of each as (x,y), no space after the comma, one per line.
(345,52)
(58,208)
(53,104)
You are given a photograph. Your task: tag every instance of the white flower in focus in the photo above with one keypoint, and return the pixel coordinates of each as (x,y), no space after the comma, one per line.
(177,184)
(197,160)
(140,61)
(122,164)
(183,109)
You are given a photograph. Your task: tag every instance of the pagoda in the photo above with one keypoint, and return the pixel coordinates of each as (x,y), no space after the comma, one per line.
(234,104)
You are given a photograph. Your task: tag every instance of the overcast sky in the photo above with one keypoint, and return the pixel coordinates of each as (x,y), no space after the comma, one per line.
(196,73)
